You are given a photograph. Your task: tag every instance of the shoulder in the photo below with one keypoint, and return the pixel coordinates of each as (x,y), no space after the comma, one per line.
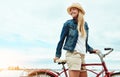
(68,22)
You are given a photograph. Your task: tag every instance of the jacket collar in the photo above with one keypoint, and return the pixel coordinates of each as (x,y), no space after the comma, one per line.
(75,21)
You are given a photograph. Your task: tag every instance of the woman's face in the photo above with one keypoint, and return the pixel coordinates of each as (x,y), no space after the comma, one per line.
(74,12)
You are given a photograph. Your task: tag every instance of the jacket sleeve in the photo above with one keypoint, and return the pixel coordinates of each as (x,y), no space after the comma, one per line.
(88,47)
(61,41)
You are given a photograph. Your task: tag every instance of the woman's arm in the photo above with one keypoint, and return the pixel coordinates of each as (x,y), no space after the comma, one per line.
(61,41)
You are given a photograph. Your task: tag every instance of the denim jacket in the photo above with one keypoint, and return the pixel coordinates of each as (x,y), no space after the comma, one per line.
(69,36)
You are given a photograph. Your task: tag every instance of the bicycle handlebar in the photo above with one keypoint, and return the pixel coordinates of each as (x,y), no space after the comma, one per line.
(111,49)
(108,48)
(101,55)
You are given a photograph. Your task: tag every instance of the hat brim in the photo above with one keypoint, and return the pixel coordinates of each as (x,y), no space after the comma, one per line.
(75,6)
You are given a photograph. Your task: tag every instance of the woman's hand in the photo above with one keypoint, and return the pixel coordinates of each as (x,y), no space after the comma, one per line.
(95,51)
(56,58)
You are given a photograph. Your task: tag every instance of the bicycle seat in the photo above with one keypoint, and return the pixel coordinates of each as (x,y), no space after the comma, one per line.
(61,61)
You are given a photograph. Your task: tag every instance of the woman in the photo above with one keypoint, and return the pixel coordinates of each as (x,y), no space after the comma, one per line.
(74,36)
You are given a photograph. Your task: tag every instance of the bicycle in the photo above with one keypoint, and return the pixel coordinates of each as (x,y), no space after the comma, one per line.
(51,73)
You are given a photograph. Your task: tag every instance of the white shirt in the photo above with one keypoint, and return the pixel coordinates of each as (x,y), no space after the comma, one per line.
(80,45)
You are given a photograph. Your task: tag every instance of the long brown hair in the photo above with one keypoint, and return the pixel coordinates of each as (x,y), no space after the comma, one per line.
(81,23)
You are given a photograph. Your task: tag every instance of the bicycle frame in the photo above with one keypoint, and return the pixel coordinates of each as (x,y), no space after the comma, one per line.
(92,64)
(107,74)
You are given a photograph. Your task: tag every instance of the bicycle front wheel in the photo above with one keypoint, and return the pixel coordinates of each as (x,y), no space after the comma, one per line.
(116,74)
(42,73)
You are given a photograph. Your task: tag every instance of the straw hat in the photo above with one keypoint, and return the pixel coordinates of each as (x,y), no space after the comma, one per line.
(76,5)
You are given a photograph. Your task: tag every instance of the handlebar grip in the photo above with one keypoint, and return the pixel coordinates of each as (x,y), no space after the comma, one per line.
(108,48)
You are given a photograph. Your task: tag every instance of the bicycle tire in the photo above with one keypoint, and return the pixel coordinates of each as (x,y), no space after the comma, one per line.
(42,73)
(116,74)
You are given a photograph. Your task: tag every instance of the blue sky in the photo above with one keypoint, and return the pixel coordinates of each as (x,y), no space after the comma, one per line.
(30,29)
